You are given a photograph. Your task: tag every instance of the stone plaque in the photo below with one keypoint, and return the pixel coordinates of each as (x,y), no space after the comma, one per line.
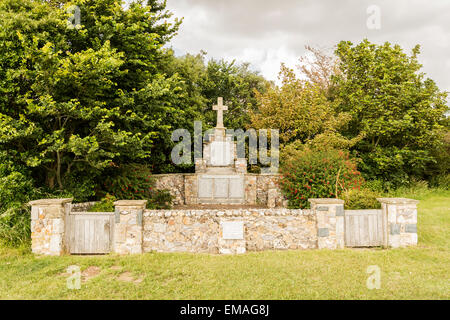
(233,230)
(221,188)
(237,188)
(221,153)
(205,187)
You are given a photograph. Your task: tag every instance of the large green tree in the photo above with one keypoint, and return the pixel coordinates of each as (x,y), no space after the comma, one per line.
(77,98)
(205,81)
(302,113)
(397,110)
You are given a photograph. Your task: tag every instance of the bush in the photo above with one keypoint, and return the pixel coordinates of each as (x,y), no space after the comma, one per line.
(441,181)
(378,186)
(81,186)
(135,182)
(105,205)
(361,199)
(15,225)
(318,174)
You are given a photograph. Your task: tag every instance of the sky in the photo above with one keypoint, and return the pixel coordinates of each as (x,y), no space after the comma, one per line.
(268,32)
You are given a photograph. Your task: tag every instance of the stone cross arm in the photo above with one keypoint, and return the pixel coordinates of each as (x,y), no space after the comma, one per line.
(220,108)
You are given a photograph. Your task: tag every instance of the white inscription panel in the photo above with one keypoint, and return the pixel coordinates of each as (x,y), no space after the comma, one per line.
(233,230)
(205,187)
(221,153)
(221,188)
(237,188)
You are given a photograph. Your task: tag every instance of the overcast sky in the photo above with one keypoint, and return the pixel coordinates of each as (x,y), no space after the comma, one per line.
(268,32)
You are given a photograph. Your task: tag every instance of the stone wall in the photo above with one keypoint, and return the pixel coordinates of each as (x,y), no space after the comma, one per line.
(201,230)
(258,187)
(172,182)
(230,231)
(267,184)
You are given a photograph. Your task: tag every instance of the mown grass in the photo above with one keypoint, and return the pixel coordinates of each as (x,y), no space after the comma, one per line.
(412,273)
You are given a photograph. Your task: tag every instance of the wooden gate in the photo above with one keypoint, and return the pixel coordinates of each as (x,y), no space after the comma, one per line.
(89,232)
(364,228)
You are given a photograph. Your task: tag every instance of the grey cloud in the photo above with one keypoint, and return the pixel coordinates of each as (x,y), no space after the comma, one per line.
(268,32)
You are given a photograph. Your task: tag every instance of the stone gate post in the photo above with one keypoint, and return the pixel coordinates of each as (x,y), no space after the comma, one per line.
(48,226)
(330,222)
(128,231)
(400,216)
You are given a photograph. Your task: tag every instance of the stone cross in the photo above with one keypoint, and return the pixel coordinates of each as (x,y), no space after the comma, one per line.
(220,108)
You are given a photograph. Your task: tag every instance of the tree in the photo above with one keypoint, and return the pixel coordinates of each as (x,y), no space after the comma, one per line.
(237,84)
(205,81)
(392,105)
(318,67)
(302,113)
(77,100)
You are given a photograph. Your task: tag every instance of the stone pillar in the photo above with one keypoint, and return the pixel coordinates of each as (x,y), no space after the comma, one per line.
(330,222)
(48,226)
(128,231)
(400,217)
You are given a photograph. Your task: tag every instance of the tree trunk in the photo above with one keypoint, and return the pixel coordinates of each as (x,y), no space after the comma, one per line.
(58,170)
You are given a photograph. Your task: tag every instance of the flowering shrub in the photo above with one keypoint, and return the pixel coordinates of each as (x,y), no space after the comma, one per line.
(135,182)
(318,174)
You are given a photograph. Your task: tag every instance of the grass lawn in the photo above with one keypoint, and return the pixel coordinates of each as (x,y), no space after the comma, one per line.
(414,273)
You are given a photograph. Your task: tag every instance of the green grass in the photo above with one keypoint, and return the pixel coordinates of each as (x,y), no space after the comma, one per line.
(421,272)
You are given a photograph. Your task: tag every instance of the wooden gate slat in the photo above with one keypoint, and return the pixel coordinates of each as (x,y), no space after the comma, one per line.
(90,233)
(363,228)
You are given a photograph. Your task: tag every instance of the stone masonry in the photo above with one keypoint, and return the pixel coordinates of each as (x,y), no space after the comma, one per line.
(401,215)
(330,222)
(48,226)
(257,187)
(201,230)
(228,231)
(129,226)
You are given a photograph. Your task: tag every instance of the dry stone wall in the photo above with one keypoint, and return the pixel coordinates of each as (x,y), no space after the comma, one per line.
(202,230)
(232,231)
(172,182)
(259,188)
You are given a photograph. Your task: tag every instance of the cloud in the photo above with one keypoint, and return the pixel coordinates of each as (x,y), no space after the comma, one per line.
(268,32)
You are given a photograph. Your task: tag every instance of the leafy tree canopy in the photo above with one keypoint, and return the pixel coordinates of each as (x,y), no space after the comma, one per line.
(74,100)
(398,110)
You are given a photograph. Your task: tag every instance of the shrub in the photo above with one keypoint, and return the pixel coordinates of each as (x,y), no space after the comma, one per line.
(105,205)
(318,174)
(378,186)
(135,182)
(441,181)
(361,199)
(16,187)
(15,223)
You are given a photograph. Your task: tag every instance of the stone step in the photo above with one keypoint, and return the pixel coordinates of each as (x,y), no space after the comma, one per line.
(220,170)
